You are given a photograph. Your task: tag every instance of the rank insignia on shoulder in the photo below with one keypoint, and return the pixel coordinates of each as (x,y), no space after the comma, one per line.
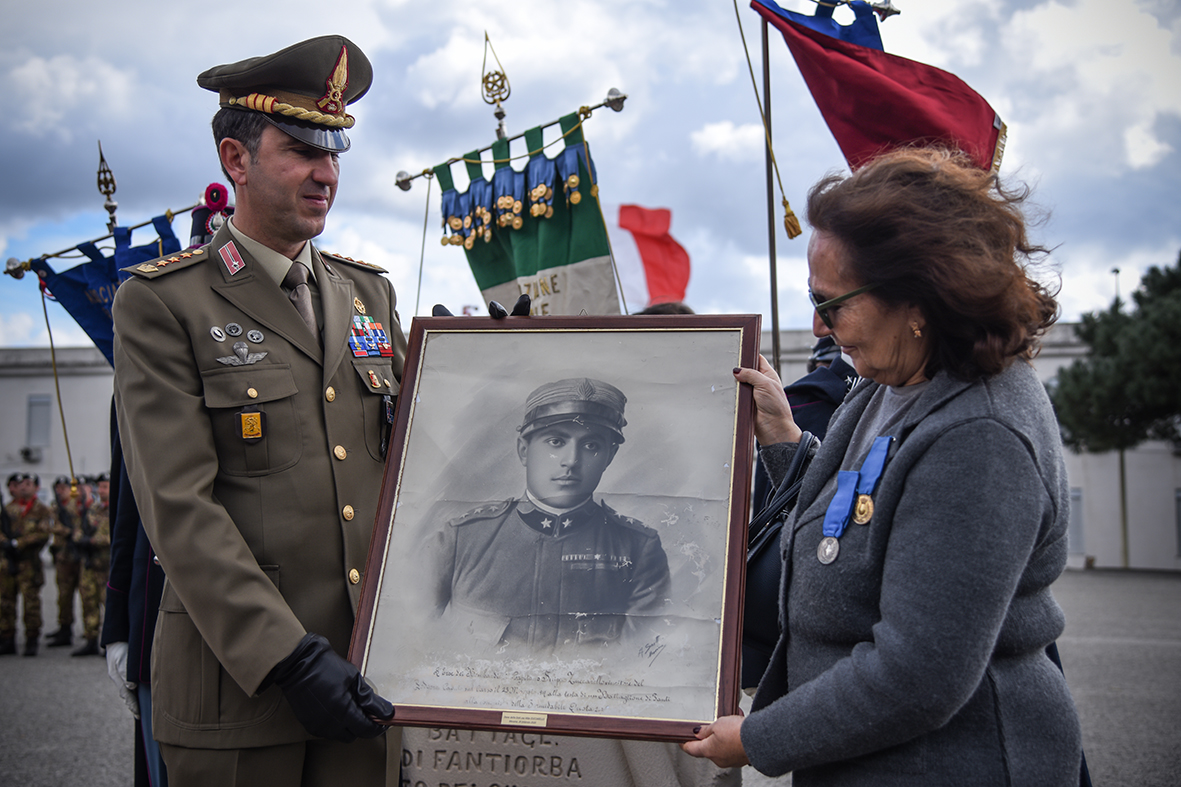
(158,267)
(486,511)
(358,263)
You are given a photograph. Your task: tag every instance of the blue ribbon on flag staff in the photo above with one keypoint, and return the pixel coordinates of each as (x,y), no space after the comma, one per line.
(464,203)
(567,164)
(507,182)
(450,208)
(540,173)
(87,291)
(481,197)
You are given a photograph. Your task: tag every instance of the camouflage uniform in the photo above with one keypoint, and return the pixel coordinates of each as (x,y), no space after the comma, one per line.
(94,541)
(30,525)
(67,566)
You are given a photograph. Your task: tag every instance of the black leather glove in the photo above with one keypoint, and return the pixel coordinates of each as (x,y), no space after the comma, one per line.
(328,694)
(495,310)
(521,307)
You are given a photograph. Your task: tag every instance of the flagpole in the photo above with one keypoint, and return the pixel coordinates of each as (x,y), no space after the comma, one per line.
(770,201)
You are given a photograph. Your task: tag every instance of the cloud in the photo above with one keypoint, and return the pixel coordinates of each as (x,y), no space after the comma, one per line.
(730,142)
(50,90)
(26,329)
(1115,71)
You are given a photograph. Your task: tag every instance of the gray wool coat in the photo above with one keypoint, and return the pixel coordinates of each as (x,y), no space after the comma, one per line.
(917,657)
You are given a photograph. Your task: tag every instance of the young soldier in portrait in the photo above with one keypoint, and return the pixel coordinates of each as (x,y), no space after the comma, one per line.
(553,568)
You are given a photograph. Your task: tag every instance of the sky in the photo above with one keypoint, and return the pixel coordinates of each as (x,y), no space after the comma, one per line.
(1090,91)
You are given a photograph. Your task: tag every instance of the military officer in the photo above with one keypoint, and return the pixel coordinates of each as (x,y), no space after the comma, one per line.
(68,510)
(253,421)
(28,527)
(93,544)
(553,568)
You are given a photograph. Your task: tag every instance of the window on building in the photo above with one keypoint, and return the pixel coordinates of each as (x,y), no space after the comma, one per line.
(39,420)
(1074,530)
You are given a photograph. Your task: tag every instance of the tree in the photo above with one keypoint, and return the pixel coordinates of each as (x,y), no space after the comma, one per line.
(1128,388)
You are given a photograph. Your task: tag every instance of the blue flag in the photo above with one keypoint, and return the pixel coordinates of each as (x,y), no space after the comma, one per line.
(86,291)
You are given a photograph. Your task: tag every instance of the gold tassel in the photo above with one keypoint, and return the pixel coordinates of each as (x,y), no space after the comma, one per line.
(790,222)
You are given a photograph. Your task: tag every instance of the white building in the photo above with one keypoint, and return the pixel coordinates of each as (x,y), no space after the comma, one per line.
(32,440)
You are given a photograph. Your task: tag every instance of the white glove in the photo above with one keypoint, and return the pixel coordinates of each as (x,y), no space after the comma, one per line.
(117,669)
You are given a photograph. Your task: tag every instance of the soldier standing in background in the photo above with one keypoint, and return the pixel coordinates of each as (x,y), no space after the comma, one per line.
(94,546)
(68,511)
(29,524)
(8,571)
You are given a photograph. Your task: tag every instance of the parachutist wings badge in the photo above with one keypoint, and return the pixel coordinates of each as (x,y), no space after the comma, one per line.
(242,356)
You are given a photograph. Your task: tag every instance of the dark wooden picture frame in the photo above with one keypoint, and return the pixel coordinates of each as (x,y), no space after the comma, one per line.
(456,476)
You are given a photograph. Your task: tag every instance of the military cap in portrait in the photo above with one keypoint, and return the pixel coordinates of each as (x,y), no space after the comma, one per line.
(580,399)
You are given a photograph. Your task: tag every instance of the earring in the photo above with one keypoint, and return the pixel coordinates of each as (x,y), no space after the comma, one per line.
(918,333)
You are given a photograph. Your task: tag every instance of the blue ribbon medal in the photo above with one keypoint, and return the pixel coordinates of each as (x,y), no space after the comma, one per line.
(853,499)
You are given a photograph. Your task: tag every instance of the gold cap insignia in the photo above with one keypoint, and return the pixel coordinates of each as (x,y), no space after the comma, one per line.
(333,99)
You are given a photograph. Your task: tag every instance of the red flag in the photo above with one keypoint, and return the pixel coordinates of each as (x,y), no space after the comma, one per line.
(873,101)
(666,263)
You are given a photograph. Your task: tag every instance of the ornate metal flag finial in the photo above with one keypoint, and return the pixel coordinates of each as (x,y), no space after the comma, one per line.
(496,87)
(884,10)
(106,187)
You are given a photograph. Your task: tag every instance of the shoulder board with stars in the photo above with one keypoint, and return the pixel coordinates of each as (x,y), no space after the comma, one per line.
(171,262)
(356,263)
(627,521)
(486,511)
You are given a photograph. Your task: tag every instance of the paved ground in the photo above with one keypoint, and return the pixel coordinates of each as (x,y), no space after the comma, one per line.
(61,722)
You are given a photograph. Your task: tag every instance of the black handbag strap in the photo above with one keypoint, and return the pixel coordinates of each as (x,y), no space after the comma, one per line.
(761,529)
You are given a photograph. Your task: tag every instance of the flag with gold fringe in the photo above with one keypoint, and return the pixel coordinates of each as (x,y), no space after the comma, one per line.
(538,230)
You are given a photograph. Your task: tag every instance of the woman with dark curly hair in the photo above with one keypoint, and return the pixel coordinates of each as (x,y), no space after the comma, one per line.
(916,606)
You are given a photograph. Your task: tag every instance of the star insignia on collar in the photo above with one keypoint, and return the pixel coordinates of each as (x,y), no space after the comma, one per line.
(547,523)
(567,522)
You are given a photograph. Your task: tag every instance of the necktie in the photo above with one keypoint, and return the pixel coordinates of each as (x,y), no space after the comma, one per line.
(296,284)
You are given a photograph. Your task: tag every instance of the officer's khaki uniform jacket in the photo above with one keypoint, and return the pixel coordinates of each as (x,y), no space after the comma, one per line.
(264,539)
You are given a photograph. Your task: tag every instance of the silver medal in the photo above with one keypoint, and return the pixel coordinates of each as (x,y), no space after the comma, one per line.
(218,334)
(254,336)
(233,329)
(828,550)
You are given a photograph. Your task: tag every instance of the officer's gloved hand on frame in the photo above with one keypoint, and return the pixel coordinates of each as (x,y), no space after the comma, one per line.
(495,310)
(328,694)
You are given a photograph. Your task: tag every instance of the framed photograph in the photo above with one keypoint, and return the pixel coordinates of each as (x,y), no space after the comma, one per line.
(560,544)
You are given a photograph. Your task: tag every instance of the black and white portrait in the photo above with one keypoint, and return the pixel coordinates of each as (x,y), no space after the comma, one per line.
(559,536)
(552,569)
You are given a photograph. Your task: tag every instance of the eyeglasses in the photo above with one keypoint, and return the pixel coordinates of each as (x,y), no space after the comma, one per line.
(822,308)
